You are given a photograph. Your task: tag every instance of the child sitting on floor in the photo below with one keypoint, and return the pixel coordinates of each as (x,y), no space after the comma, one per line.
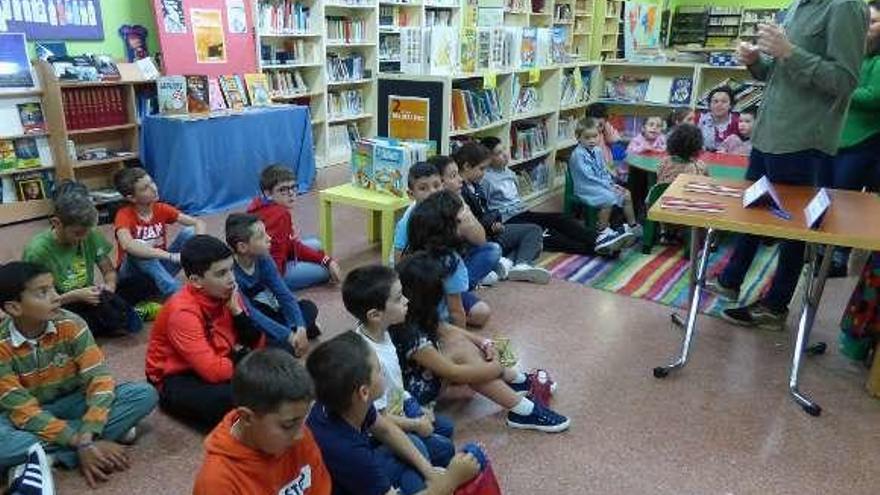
(594,185)
(683,147)
(522,243)
(373,295)
(55,388)
(300,261)
(434,226)
(141,229)
(199,335)
(651,139)
(262,446)
(366,453)
(741,143)
(71,249)
(286,322)
(423,180)
(434,353)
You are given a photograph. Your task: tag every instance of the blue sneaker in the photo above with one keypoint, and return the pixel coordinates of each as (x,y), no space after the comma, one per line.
(34,477)
(541,419)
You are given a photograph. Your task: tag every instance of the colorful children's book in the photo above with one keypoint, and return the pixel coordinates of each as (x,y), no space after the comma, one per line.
(528,47)
(30,186)
(172,95)
(197,100)
(680,94)
(258,89)
(241,88)
(8,159)
(215,95)
(27,153)
(31,115)
(232,92)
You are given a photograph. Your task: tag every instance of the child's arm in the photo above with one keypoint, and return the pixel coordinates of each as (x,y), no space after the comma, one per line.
(638,145)
(186,333)
(456,310)
(108,273)
(420,426)
(471,230)
(395,439)
(610,133)
(431,359)
(190,221)
(25,412)
(98,383)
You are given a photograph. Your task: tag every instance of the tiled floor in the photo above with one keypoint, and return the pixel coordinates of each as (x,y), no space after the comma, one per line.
(725,425)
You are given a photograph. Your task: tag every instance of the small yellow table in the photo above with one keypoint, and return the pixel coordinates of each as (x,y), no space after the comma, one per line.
(382,208)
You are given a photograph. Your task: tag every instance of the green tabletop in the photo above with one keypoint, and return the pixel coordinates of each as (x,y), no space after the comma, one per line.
(720,165)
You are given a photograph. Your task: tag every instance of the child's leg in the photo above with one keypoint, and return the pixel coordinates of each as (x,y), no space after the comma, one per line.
(477,311)
(303,274)
(628,212)
(15,445)
(525,240)
(440,449)
(188,397)
(480,260)
(153,269)
(401,474)
(443,426)
(604,219)
(462,351)
(185,234)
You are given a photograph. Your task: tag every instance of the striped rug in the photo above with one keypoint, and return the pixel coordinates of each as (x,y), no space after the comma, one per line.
(661,276)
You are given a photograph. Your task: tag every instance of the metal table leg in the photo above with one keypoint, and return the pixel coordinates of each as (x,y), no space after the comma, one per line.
(699,282)
(814,287)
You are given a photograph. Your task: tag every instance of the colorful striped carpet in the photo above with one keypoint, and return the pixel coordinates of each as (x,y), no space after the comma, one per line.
(661,276)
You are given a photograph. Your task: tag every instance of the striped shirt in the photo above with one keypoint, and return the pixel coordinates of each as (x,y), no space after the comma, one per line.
(62,361)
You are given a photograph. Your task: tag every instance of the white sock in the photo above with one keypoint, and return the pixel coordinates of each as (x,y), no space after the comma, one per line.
(520,377)
(524,407)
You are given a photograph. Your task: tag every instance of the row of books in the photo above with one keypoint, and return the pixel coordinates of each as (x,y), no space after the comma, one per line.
(565,129)
(289,51)
(24,153)
(389,48)
(532,177)
(97,106)
(748,94)
(382,164)
(345,67)
(525,98)
(394,16)
(654,89)
(475,108)
(17,119)
(345,103)
(528,138)
(438,17)
(197,94)
(283,17)
(343,29)
(31,186)
(284,83)
(339,141)
(576,86)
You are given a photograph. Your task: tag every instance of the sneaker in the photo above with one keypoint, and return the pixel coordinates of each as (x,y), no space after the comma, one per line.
(147,310)
(313,332)
(635,230)
(541,419)
(756,315)
(129,437)
(34,477)
(610,240)
(522,272)
(538,385)
(502,269)
(714,286)
(490,279)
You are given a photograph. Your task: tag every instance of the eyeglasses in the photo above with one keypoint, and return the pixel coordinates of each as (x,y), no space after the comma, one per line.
(288,190)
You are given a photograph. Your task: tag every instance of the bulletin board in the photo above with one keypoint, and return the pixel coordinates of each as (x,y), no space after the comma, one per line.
(54,20)
(209,37)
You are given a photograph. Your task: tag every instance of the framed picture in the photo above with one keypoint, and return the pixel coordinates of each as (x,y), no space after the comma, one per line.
(15,68)
(31,189)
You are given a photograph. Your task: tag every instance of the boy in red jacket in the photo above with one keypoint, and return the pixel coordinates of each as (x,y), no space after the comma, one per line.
(198,337)
(301,262)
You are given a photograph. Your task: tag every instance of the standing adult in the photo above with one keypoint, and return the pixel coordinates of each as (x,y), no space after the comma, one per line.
(811,65)
(719,122)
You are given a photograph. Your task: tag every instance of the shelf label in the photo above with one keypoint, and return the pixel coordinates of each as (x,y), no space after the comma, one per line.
(490,80)
(816,209)
(762,192)
(534,76)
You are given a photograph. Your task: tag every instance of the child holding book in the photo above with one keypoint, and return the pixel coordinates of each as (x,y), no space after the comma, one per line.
(71,249)
(374,296)
(301,262)
(287,322)
(683,147)
(594,185)
(651,139)
(433,353)
(263,445)
(55,387)
(740,143)
(142,233)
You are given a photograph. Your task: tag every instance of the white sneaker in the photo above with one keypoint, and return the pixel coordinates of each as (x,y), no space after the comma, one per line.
(610,240)
(503,268)
(34,477)
(527,273)
(635,231)
(490,279)
(129,437)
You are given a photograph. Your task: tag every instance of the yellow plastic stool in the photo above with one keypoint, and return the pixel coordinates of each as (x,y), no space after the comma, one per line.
(381,207)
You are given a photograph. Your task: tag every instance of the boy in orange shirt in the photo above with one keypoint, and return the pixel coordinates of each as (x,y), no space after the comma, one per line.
(262,446)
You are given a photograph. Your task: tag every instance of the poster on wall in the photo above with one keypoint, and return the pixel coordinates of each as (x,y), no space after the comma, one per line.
(641,28)
(53,19)
(236,17)
(408,117)
(207,26)
(16,73)
(172,16)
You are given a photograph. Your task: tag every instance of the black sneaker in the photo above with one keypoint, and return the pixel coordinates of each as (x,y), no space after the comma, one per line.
(756,315)
(714,286)
(541,419)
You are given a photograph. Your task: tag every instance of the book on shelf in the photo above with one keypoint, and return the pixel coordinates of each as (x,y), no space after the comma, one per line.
(565,129)
(107,69)
(345,67)
(528,47)
(472,108)
(413,56)
(468,51)
(233,92)
(287,52)
(382,164)
(257,89)
(197,96)
(215,95)
(682,89)
(558,50)
(528,138)
(490,48)
(31,117)
(339,141)
(344,29)
(444,44)
(626,88)
(575,86)
(283,17)
(490,17)
(389,48)
(394,16)
(286,83)
(345,103)
(659,89)
(96,106)
(172,95)
(438,17)
(26,153)
(526,98)
(32,186)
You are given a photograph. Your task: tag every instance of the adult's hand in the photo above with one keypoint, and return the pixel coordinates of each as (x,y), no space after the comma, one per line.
(773,41)
(748,53)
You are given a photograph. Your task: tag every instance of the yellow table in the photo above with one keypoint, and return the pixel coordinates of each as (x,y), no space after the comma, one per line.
(381,207)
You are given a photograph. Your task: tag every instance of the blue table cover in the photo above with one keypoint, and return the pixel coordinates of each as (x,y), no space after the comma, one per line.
(213,164)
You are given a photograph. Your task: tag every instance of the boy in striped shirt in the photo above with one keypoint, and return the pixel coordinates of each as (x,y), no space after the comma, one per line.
(54,385)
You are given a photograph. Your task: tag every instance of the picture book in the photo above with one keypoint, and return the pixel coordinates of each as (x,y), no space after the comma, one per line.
(30,186)
(680,94)
(258,89)
(8,159)
(27,153)
(197,94)
(172,95)
(215,95)
(232,93)
(528,47)
(31,116)
(241,89)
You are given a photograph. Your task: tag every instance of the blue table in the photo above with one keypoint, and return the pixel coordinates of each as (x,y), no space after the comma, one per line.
(213,164)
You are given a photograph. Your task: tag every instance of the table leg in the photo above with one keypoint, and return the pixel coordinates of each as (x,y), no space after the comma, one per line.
(694,247)
(813,289)
(325,225)
(702,266)
(374,226)
(387,235)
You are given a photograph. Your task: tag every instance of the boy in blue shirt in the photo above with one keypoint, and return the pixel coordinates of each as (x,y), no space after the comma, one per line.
(273,308)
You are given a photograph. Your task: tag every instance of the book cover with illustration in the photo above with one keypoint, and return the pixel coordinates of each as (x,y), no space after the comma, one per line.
(31,116)
(680,94)
(258,89)
(197,94)
(390,168)
(215,95)
(26,153)
(529,47)
(172,95)
(232,92)
(30,186)
(8,159)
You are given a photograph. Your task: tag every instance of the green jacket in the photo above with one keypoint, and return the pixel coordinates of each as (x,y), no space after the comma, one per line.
(863,119)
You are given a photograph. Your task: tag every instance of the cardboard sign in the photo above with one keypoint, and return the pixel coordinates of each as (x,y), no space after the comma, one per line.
(490,80)
(762,193)
(534,76)
(816,209)
(408,117)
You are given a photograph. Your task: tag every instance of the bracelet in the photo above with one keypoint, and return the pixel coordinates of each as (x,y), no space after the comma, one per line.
(85,445)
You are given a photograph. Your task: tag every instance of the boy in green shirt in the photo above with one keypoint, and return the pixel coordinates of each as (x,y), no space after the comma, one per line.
(71,250)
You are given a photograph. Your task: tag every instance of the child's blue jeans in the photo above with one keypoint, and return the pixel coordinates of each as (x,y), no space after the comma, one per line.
(480,260)
(163,273)
(401,474)
(302,274)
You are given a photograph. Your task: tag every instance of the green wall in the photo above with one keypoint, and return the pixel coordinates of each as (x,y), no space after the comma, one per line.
(116,13)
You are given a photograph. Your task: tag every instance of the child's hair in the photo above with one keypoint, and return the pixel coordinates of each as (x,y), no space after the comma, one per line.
(419,171)
(267,378)
(433,224)
(14,277)
(273,175)
(685,142)
(470,154)
(677,116)
(597,111)
(655,117)
(125,179)
(585,124)
(338,367)
(366,288)
(73,206)
(200,252)
(441,162)
(754,111)
(421,277)
(240,228)
(490,142)
(726,90)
